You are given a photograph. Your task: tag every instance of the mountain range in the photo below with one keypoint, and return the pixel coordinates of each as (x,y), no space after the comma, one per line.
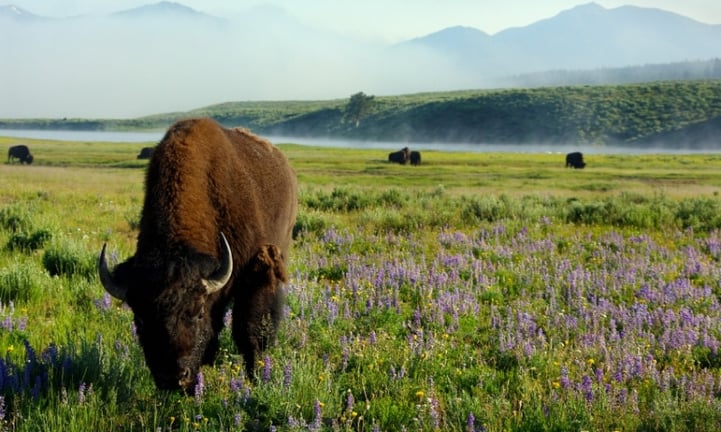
(168,57)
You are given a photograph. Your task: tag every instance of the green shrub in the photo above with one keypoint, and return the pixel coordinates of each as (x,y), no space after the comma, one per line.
(67,259)
(20,282)
(15,218)
(29,241)
(310,223)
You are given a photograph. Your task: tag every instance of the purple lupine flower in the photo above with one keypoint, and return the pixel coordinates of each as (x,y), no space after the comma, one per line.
(565,382)
(199,387)
(104,304)
(471,423)
(318,417)
(22,323)
(287,375)
(586,388)
(435,413)
(267,365)
(50,354)
(7,323)
(81,393)
(350,401)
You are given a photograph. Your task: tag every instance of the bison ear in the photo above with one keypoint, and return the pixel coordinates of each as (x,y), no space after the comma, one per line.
(269,259)
(217,280)
(111,285)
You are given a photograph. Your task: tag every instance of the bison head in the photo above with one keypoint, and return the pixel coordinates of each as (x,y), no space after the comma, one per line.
(173,315)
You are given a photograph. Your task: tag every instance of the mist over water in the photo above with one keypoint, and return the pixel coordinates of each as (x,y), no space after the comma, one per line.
(386,146)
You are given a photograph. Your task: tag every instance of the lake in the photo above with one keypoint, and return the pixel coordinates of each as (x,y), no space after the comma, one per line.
(154,137)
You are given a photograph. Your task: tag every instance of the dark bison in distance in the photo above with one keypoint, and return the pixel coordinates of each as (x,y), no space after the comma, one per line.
(146,152)
(401,156)
(415,158)
(575,160)
(216,226)
(21,153)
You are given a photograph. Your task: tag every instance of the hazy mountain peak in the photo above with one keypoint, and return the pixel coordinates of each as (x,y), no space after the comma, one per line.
(160,9)
(15,12)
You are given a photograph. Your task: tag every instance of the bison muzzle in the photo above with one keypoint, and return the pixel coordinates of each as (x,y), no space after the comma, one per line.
(215,230)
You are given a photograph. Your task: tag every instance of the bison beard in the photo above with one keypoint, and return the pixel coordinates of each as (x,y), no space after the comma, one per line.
(206,184)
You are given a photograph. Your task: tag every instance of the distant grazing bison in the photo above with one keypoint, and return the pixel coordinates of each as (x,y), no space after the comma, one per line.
(20,152)
(575,160)
(401,156)
(415,158)
(215,229)
(146,152)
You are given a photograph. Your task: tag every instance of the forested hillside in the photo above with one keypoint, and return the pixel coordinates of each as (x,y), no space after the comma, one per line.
(680,114)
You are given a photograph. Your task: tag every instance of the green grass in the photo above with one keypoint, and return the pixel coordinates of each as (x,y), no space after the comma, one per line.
(416,297)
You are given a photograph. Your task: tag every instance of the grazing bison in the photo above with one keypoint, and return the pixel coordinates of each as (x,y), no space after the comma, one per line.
(20,152)
(216,226)
(146,152)
(415,158)
(401,156)
(575,159)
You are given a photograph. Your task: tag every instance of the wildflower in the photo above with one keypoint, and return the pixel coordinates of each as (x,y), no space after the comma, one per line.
(266,369)
(350,401)
(199,387)
(10,349)
(317,420)
(565,382)
(471,422)
(287,375)
(81,394)
(420,394)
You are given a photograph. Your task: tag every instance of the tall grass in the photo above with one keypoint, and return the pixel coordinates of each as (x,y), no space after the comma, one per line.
(428,305)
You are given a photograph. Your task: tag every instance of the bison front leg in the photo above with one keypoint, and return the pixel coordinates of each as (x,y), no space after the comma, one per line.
(258,305)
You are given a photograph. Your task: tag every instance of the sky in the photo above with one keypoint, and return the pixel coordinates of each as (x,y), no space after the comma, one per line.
(327,49)
(388,20)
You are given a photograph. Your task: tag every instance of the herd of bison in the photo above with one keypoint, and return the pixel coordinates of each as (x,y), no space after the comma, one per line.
(402,156)
(202,246)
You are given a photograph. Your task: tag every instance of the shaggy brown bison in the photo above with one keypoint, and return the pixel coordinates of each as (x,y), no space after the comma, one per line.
(401,156)
(575,159)
(21,153)
(216,226)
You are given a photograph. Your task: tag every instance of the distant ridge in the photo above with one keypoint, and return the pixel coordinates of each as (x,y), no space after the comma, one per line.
(584,37)
(165,10)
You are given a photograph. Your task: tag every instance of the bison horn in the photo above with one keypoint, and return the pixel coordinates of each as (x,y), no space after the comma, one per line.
(113,288)
(221,277)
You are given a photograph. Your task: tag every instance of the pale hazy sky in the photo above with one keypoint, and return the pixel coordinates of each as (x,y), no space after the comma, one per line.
(388,20)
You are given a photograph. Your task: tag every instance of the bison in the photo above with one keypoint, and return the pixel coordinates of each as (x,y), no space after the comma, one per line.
(146,152)
(415,158)
(401,156)
(575,160)
(20,152)
(215,230)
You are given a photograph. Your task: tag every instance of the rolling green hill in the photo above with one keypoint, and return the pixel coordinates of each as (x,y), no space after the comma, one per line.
(679,114)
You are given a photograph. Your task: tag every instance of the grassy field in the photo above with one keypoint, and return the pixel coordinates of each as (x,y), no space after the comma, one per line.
(476,292)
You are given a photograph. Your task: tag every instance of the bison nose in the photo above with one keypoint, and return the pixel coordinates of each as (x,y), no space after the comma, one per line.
(185,378)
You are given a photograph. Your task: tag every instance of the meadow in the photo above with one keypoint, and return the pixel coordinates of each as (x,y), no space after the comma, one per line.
(476,292)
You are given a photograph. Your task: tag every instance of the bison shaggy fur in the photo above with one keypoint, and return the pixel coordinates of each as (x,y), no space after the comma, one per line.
(206,184)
